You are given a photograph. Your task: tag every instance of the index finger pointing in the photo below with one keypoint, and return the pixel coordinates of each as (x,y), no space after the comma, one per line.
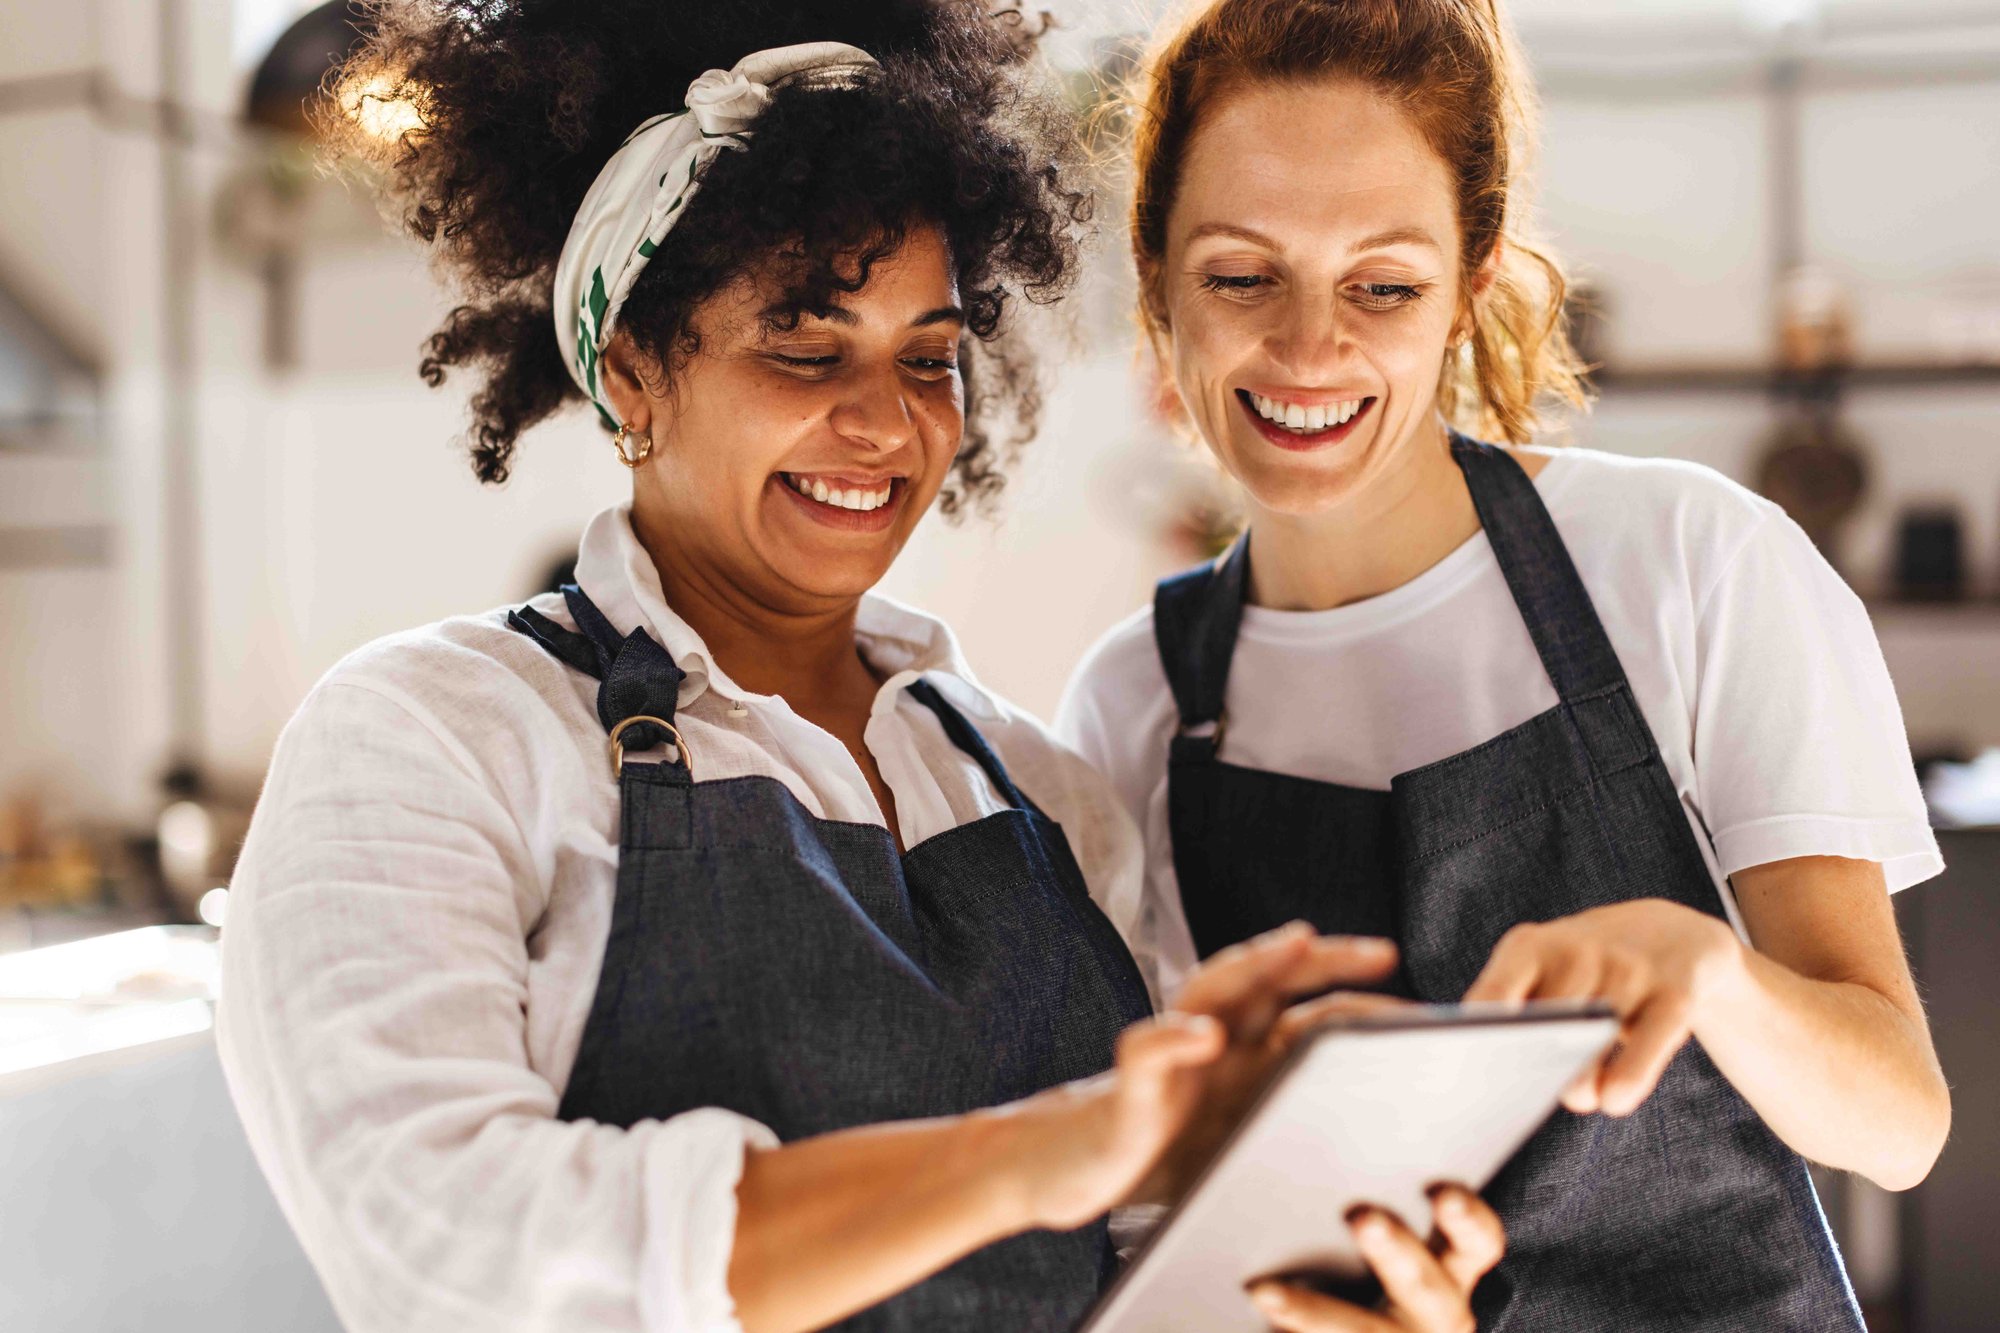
(1341,960)
(1247,987)
(1240,974)
(1511,972)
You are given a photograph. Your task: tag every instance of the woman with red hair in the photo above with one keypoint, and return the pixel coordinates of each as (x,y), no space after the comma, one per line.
(1562,724)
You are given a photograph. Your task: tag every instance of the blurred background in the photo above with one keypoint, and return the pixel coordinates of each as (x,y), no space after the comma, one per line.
(219,473)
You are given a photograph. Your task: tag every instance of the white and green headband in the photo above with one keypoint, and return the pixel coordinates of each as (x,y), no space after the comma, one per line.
(648,182)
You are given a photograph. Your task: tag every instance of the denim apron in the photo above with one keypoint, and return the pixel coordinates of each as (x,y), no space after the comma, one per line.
(1687,1215)
(802,972)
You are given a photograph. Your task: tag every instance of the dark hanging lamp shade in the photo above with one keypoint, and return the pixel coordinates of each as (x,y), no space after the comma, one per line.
(291,74)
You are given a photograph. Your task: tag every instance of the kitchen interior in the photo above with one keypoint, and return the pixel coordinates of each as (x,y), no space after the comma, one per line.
(217,463)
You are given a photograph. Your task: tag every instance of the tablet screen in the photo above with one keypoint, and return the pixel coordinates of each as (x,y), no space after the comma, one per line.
(1370,1109)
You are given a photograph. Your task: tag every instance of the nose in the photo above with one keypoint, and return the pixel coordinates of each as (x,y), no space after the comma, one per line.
(1311,338)
(875,414)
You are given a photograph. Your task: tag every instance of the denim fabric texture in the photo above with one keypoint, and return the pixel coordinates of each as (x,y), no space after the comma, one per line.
(1689,1215)
(802,972)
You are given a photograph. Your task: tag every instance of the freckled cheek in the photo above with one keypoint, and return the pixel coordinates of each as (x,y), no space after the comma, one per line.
(940,417)
(1408,358)
(735,446)
(1207,356)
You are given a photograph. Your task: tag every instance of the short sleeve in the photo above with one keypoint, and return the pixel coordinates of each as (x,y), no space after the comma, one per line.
(1799,746)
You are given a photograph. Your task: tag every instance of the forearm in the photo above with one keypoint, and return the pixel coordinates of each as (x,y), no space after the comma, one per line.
(1839,1071)
(830,1225)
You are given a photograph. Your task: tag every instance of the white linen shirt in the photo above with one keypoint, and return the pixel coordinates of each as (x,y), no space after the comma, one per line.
(1754,665)
(417,924)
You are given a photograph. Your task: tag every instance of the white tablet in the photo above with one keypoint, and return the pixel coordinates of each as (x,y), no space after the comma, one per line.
(1373,1109)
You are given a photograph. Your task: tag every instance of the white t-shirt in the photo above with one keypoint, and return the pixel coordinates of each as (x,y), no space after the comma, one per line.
(1754,664)
(417,924)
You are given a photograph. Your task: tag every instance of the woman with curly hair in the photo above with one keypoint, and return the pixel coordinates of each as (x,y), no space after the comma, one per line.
(1565,725)
(702,947)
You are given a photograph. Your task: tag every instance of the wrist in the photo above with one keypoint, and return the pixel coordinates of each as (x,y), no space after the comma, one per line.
(1016,1142)
(1724,979)
(1050,1178)
(999,1140)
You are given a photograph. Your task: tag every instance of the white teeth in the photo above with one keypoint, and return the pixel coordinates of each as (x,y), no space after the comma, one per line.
(1294,416)
(853,498)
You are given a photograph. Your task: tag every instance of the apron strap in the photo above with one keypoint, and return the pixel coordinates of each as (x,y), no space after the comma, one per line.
(967,738)
(636,676)
(1196,616)
(1568,636)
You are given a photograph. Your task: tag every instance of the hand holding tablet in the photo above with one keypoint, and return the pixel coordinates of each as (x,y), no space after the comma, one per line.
(1425,1288)
(1368,1110)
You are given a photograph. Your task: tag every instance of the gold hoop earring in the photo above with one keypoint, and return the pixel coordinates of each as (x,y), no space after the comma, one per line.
(638,455)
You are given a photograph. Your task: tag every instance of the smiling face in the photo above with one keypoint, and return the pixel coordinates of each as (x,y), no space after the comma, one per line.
(1310,286)
(792,459)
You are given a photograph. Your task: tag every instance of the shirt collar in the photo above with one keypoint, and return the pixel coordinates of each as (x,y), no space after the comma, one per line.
(898,640)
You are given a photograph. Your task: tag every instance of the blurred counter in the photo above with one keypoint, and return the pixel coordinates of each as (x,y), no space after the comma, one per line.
(132,1197)
(70,1009)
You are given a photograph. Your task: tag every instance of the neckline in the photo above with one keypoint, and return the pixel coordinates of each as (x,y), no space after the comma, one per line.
(902,641)
(1373,615)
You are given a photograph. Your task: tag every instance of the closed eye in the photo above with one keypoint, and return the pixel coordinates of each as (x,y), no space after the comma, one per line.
(1384,295)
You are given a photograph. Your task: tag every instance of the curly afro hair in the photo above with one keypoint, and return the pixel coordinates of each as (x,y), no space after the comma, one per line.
(519,103)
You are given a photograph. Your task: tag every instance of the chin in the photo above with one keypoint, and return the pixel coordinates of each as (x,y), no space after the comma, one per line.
(1296,497)
(1295,488)
(835,575)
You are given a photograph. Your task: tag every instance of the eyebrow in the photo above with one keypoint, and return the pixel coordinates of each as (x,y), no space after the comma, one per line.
(836,314)
(1398,236)
(1380,240)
